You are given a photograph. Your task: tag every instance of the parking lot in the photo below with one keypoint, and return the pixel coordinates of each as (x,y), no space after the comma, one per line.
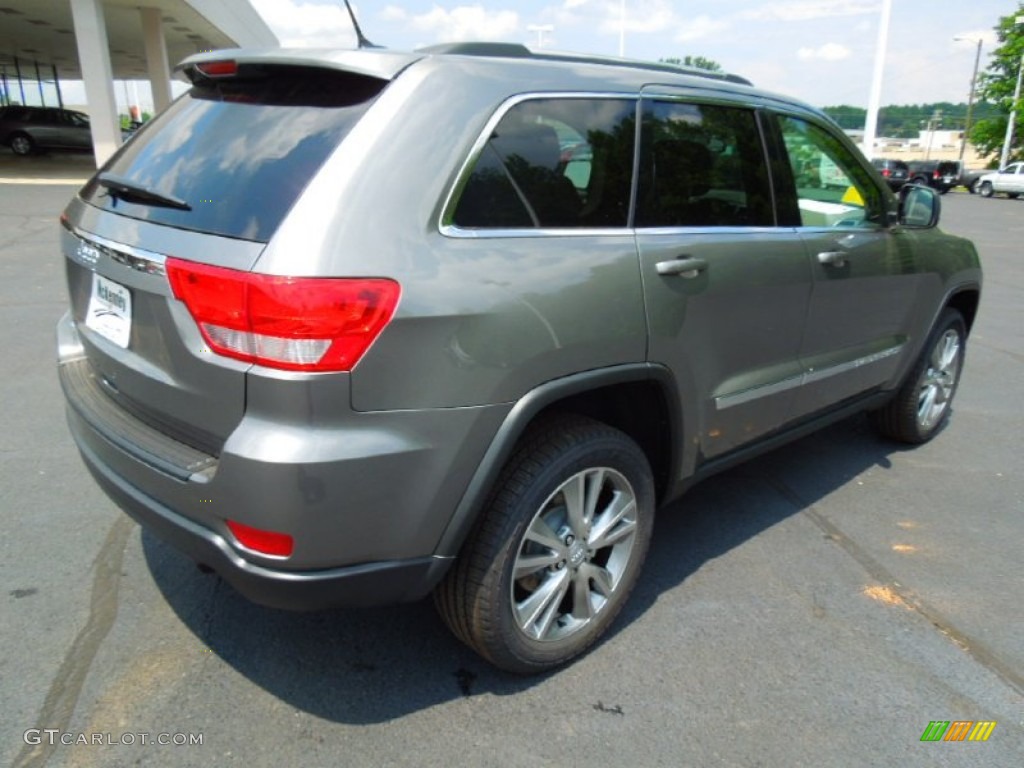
(820,605)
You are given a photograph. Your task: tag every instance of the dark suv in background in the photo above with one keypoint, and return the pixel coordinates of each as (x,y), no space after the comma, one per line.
(352,327)
(895,172)
(30,129)
(942,175)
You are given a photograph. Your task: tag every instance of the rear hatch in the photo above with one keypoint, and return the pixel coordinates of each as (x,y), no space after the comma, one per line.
(208,181)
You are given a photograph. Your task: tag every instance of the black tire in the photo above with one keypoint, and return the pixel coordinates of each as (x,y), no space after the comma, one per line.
(1013,195)
(985,189)
(482,601)
(973,187)
(922,405)
(22,144)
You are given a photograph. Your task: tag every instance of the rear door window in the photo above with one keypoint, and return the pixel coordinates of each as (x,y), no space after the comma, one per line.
(702,166)
(239,151)
(553,163)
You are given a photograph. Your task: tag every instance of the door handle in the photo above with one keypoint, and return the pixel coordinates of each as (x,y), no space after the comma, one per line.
(832,258)
(687,267)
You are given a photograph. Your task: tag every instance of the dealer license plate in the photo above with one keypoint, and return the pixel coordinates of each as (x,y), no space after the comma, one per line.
(110,310)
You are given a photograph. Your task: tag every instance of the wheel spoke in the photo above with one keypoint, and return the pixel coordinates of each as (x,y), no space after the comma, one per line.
(595,482)
(536,613)
(540,533)
(607,530)
(574,492)
(527,565)
(601,578)
(581,607)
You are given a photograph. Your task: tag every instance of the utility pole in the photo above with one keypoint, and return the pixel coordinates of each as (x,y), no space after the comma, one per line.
(970,99)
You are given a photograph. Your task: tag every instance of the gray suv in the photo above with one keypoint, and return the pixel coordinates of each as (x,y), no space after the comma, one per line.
(358,327)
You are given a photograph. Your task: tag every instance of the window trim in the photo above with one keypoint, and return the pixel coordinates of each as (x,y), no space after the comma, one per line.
(446,222)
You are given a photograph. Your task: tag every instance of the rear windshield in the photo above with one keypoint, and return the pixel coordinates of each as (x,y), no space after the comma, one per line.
(239,151)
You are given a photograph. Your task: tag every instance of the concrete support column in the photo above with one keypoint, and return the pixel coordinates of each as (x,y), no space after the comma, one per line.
(156,56)
(94,56)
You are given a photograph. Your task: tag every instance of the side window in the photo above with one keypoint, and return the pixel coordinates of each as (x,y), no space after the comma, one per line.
(554,163)
(832,188)
(702,165)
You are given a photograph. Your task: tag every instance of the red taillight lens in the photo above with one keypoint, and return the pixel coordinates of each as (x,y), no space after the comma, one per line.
(292,323)
(225,68)
(886,172)
(265,542)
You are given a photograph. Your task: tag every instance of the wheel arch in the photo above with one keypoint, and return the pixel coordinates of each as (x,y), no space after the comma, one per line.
(636,399)
(965,300)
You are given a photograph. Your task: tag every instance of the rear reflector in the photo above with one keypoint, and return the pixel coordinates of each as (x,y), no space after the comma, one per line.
(264,542)
(291,323)
(225,68)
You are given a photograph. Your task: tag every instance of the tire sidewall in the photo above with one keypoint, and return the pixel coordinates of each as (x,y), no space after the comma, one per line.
(530,655)
(949,320)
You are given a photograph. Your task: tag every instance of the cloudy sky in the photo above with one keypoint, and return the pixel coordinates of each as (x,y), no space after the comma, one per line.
(821,51)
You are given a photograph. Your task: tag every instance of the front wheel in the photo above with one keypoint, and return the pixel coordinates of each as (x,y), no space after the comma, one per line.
(986,189)
(922,405)
(557,550)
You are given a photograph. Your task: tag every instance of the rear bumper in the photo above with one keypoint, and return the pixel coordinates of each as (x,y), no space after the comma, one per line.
(365,584)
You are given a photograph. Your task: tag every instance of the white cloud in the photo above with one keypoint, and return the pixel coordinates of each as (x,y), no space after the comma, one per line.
(645,16)
(805,10)
(305,25)
(827,52)
(700,27)
(464,22)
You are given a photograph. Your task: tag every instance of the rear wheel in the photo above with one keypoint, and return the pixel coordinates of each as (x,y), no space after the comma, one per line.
(22,144)
(985,189)
(1013,195)
(922,405)
(558,549)
(973,187)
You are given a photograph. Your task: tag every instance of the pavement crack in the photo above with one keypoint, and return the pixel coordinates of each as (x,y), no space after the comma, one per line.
(60,702)
(982,654)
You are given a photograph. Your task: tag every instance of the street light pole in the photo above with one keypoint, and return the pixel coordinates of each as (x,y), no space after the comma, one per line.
(622,30)
(970,99)
(1005,158)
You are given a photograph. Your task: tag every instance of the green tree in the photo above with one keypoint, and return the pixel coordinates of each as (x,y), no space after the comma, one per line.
(699,62)
(997,84)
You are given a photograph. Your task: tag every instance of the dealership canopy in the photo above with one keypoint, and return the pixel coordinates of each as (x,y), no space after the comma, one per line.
(99,40)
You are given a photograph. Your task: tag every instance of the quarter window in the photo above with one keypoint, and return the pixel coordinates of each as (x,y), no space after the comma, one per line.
(832,188)
(554,163)
(702,165)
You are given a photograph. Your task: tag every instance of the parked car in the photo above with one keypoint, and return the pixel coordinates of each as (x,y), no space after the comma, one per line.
(938,174)
(895,172)
(482,382)
(1008,181)
(31,129)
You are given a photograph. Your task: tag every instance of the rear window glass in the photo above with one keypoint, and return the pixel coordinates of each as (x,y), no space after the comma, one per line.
(239,151)
(559,162)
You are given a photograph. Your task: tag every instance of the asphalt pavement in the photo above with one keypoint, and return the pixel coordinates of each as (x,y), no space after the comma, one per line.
(818,606)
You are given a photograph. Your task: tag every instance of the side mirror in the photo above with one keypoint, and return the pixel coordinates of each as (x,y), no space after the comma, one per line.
(919,207)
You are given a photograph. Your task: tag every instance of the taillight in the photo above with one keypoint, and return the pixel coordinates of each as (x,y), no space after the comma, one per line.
(886,172)
(259,540)
(291,323)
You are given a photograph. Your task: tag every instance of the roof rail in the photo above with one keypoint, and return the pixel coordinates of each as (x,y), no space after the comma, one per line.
(519,51)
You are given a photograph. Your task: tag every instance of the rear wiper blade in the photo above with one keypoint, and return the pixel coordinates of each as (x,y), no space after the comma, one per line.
(126,189)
